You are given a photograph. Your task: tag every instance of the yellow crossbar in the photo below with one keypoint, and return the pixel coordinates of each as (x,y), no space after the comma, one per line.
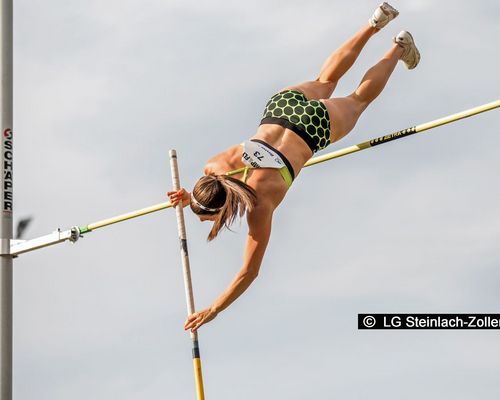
(316,160)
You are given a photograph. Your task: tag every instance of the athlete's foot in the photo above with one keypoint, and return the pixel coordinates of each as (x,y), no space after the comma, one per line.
(411,55)
(382,15)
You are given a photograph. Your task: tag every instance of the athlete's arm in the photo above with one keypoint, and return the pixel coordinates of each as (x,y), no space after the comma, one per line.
(259,231)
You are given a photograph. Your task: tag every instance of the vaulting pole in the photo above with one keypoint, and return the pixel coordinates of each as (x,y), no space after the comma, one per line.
(200,395)
(7,200)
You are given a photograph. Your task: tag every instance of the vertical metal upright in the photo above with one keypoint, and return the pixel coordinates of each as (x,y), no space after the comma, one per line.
(181,227)
(6,182)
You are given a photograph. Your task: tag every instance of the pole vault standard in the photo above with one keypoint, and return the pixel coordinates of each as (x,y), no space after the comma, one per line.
(181,227)
(19,247)
(7,201)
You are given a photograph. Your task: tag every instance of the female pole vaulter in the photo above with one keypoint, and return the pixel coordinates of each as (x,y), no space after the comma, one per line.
(297,122)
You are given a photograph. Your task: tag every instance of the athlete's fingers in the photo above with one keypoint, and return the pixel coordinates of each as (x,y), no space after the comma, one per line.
(180,192)
(190,320)
(174,198)
(196,326)
(198,319)
(192,325)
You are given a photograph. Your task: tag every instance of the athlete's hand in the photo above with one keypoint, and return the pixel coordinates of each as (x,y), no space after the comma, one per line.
(197,319)
(176,197)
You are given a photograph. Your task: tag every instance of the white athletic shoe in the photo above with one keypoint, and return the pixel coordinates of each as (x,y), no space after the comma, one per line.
(382,15)
(411,55)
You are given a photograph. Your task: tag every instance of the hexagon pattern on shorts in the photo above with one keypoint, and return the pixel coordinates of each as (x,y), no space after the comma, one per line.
(310,116)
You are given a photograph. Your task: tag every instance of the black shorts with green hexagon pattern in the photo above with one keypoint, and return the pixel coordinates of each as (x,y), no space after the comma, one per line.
(307,118)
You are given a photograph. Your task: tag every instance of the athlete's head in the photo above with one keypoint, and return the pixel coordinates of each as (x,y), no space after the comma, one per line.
(221,199)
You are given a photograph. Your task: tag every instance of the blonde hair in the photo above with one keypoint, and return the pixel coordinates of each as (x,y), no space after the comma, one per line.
(223,196)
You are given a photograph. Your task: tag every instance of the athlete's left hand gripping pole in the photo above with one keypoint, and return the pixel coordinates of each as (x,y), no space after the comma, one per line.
(200,395)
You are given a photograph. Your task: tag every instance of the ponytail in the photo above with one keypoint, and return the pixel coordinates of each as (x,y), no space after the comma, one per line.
(223,196)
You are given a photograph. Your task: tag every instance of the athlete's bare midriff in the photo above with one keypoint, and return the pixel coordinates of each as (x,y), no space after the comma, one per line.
(287,142)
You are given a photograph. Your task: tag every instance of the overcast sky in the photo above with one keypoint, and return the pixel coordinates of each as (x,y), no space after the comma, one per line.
(103,89)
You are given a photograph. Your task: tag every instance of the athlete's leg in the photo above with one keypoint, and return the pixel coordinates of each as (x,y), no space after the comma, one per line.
(344,57)
(336,66)
(345,111)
